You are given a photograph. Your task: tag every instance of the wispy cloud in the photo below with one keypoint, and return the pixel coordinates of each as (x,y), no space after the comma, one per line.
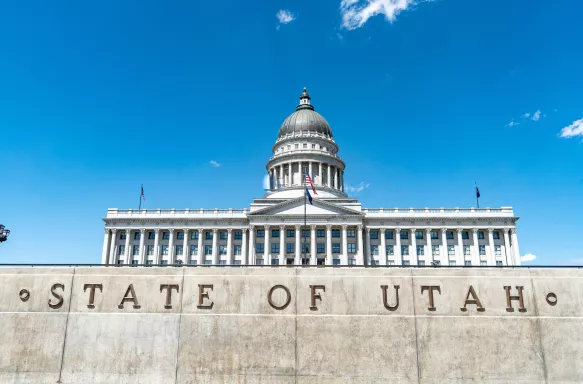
(528,257)
(512,124)
(284,17)
(355,13)
(535,116)
(358,188)
(214,163)
(573,130)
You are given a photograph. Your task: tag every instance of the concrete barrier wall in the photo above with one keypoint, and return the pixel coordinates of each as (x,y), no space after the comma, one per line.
(318,325)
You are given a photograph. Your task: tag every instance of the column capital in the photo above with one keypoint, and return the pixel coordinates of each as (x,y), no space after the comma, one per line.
(359,226)
(507,230)
(230,230)
(215,230)
(490,230)
(367,230)
(443,230)
(157,230)
(475,230)
(313,226)
(298,227)
(142,231)
(266,227)
(459,230)
(383,230)
(413,230)
(329,226)
(200,231)
(185,230)
(244,230)
(114,230)
(281,228)
(171,230)
(345,226)
(251,228)
(398,230)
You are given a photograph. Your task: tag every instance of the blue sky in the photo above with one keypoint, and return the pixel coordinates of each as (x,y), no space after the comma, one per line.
(424,99)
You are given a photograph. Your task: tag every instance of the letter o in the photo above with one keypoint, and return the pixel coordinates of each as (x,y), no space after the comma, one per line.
(24,294)
(552,299)
(280,307)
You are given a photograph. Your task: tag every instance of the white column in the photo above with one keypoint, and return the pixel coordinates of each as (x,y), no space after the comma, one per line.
(476,248)
(336,178)
(359,254)
(369,257)
(127,255)
(157,246)
(444,255)
(310,170)
(460,248)
(215,253)
(413,252)
(230,246)
(344,257)
(328,179)
(320,179)
(398,255)
(171,247)
(300,180)
(276,179)
(142,252)
(429,249)
(112,259)
(507,250)
(282,259)
(185,247)
(281,181)
(104,255)
(200,255)
(515,250)
(244,248)
(267,246)
(314,260)
(491,256)
(251,260)
(298,244)
(383,250)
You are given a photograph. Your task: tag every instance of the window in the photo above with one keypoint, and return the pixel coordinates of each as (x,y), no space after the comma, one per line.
(389,235)
(222,262)
(134,262)
(122,235)
(290,248)
(238,235)
(404,235)
(179,235)
(275,248)
(497,250)
(237,262)
(335,261)
(406,262)
(194,249)
(151,235)
(236,250)
(435,250)
(498,263)
(374,235)
(335,233)
(305,233)
(313,146)
(404,250)
(320,233)
(419,235)
(465,235)
(351,261)
(296,146)
(192,262)
(320,248)
(179,249)
(222,249)
(165,235)
(208,262)
(350,233)
(163,262)
(194,235)
(482,249)
(468,262)
(208,235)
(135,250)
(480,235)
(288,147)
(449,235)
(496,235)
(390,262)
(335,247)
(305,145)
(434,235)
(420,250)
(259,247)
(451,250)
(208,249)
(305,248)
(150,250)
(122,250)
(374,249)
(149,262)
(223,235)
(275,233)
(164,249)
(274,261)
(466,250)
(291,233)
(351,247)
(452,262)
(483,263)
(374,262)
(389,250)
(421,262)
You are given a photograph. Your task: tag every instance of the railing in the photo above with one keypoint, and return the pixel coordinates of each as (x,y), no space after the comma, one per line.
(504,211)
(114,212)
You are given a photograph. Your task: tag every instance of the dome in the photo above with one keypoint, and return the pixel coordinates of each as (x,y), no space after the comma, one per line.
(305,119)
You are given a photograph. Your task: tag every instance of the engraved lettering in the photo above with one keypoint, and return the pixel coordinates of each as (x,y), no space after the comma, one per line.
(551,299)
(509,299)
(474,300)
(169,288)
(315,295)
(385,303)
(287,301)
(24,295)
(59,298)
(431,288)
(204,295)
(92,293)
(130,295)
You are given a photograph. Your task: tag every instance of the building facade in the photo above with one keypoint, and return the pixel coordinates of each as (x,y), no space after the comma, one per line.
(338,230)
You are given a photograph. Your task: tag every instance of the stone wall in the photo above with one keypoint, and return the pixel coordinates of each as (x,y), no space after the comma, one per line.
(290,325)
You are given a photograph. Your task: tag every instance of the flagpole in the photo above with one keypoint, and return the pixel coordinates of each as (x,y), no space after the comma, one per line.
(140,206)
(477,197)
(305,224)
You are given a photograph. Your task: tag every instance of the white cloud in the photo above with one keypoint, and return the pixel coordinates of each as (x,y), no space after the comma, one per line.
(357,12)
(528,257)
(214,163)
(358,188)
(527,115)
(284,17)
(536,115)
(512,124)
(575,129)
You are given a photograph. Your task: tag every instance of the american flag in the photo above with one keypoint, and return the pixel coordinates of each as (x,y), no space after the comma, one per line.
(310,183)
(142,194)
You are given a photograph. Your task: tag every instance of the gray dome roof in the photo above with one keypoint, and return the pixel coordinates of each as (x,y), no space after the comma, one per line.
(305,119)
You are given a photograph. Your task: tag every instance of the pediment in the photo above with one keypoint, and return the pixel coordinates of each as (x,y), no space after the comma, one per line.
(295,207)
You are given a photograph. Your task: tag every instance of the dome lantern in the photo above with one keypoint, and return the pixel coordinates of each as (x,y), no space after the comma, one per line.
(305,119)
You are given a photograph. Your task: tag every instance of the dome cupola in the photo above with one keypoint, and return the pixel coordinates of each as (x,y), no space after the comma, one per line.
(305,119)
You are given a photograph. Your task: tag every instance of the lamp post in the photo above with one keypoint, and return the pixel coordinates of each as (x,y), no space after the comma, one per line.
(3,233)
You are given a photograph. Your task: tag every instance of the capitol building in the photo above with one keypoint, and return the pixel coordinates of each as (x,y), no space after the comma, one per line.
(338,230)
